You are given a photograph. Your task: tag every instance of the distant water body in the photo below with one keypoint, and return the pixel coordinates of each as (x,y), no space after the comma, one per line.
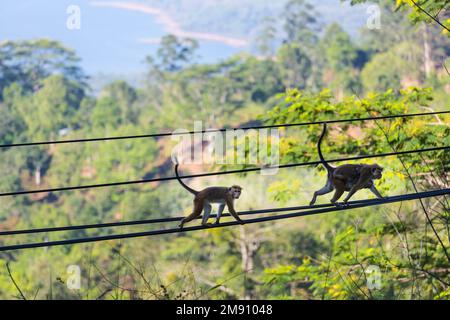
(109,41)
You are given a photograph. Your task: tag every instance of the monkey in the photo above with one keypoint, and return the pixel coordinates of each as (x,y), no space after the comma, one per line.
(347,177)
(204,198)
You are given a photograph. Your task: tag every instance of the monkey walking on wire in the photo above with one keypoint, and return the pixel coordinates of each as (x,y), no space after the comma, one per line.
(204,198)
(347,177)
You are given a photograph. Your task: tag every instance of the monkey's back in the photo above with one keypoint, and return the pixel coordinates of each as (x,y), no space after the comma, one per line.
(349,171)
(349,174)
(214,194)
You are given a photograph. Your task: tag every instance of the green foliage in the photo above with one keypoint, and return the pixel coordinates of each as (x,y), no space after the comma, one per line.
(341,273)
(175,53)
(52,108)
(43,96)
(419,10)
(29,62)
(340,56)
(339,50)
(392,68)
(300,23)
(296,66)
(299,106)
(125,96)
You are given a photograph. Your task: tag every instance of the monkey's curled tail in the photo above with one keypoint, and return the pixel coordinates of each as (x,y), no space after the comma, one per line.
(182,183)
(322,159)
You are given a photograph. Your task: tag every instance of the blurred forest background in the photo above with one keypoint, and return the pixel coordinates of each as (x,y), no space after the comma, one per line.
(306,71)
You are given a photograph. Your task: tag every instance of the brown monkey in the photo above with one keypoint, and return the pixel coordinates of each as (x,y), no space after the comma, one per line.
(347,177)
(204,198)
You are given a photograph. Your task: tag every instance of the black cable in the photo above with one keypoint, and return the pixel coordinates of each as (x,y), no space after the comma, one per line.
(165,134)
(361,204)
(149,221)
(434,18)
(156,220)
(112,184)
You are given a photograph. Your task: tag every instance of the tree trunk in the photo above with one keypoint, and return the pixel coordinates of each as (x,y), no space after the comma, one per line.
(427,60)
(248,248)
(37,176)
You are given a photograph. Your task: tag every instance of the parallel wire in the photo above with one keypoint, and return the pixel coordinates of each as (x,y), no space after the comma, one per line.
(149,221)
(312,210)
(165,134)
(361,204)
(122,183)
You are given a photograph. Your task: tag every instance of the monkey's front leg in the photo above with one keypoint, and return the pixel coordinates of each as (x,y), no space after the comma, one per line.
(350,194)
(363,179)
(233,212)
(375,192)
(219,212)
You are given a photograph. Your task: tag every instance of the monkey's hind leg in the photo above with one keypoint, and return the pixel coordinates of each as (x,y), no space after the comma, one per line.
(206,213)
(198,208)
(340,187)
(327,189)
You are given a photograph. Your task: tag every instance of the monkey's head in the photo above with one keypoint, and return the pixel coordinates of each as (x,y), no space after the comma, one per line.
(376,171)
(235,191)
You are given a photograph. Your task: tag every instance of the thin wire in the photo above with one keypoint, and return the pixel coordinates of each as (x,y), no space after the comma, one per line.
(112,184)
(165,134)
(431,16)
(150,221)
(364,203)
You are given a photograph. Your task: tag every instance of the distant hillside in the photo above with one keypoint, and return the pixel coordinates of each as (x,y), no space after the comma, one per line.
(235,18)
(241,17)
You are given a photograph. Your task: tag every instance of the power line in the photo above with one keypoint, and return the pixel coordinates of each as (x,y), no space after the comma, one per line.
(361,204)
(122,183)
(165,134)
(154,221)
(150,221)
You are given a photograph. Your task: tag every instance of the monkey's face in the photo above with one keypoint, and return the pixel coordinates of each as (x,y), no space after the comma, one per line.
(235,192)
(377,172)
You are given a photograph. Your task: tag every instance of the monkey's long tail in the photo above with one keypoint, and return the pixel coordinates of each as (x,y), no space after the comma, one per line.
(322,159)
(182,183)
